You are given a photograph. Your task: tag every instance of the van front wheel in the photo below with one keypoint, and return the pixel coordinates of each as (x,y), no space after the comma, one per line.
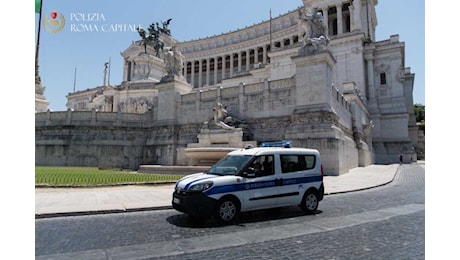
(310,202)
(227,210)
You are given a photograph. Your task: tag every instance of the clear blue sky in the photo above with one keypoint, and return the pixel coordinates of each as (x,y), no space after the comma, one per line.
(62,52)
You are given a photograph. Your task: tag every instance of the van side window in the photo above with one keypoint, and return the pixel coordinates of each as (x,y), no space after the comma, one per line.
(310,161)
(293,163)
(268,165)
(263,165)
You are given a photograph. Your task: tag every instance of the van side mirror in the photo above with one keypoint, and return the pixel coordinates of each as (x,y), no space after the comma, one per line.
(249,172)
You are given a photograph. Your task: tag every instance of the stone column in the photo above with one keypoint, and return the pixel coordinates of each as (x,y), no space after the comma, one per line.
(208,70)
(131,72)
(371,82)
(248,60)
(231,65)
(224,60)
(125,71)
(256,55)
(369,23)
(265,54)
(239,61)
(192,77)
(356,18)
(200,73)
(352,20)
(326,19)
(370,75)
(339,19)
(216,66)
(185,70)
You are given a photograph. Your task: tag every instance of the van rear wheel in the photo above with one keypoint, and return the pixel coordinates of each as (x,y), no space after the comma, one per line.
(227,210)
(310,202)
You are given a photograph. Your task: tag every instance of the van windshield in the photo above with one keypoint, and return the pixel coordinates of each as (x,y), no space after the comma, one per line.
(230,165)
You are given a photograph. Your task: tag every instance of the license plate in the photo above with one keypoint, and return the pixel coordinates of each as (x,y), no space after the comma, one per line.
(176,200)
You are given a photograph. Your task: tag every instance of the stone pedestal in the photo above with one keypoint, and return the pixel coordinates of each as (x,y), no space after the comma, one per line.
(317,113)
(147,68)
(168,95)
(214,144)
(314,79)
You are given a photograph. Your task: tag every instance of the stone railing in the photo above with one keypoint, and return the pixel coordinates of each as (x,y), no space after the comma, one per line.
(85,118)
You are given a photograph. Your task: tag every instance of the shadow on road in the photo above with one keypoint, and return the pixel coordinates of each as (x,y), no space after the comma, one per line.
(183,220)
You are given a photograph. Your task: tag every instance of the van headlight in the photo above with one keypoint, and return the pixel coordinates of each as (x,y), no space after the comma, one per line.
(201,186)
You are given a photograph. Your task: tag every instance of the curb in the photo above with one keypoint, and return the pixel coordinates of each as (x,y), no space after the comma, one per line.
(98,212)
(105,185)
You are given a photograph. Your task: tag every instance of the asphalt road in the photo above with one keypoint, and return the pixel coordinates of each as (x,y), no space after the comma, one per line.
(381,223)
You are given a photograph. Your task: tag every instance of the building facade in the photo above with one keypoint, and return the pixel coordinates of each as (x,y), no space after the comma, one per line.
(352,101)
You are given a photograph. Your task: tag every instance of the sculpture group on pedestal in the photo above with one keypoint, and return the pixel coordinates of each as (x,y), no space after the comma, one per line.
(315,36)
(172,58)
(173,61)
(221,119)
(153,38)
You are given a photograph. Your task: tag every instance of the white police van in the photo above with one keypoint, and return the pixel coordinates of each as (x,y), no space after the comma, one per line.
(253,179)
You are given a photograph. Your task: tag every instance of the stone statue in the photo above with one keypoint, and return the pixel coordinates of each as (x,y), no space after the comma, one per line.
(173,61)
(156,42)
(39,89)
(165,28)
(144,37)
(315,36)
(152,38)
(222,119)
(106,66)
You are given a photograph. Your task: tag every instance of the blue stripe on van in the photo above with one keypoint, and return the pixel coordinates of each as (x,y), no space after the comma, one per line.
(225,189)
(260,185)
(197,180)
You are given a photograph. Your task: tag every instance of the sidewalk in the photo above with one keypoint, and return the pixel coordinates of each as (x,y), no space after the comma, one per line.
(53,202)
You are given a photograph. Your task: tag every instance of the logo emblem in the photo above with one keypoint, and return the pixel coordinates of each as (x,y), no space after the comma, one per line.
(54,25)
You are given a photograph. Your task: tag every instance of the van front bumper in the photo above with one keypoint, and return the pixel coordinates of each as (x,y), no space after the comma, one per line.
(193,203)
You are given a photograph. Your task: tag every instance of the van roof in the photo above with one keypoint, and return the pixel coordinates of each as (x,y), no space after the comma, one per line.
(270,150)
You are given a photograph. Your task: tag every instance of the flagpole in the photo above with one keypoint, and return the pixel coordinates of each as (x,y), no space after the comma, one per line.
(271,47)
(37,77)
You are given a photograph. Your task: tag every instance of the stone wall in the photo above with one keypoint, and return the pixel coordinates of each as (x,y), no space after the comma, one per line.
(310,112)
(124,140)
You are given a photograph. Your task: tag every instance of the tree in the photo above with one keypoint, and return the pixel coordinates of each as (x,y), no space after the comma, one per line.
(419,111)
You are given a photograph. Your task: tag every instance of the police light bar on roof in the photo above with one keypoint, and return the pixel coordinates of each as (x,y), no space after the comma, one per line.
(285,144)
